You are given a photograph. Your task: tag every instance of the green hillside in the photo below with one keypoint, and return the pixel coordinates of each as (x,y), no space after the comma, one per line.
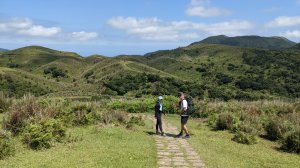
(249,41)
(34,56)
(203,70)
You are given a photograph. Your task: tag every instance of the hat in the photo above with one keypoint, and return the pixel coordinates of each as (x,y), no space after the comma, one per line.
(160,97)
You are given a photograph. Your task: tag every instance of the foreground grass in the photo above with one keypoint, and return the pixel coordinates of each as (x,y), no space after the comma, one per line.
(107,146)
(217,149)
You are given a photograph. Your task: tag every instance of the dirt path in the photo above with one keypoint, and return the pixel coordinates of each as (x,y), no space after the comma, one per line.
(175,152)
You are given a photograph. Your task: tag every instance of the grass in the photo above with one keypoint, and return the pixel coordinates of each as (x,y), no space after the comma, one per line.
(217,149)
(107,146)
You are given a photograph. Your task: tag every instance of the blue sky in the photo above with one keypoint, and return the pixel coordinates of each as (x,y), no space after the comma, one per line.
(113,27)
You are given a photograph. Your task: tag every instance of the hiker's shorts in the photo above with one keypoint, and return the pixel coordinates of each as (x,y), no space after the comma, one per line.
(184,119)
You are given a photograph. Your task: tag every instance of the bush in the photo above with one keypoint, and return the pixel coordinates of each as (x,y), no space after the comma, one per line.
(82,114)
(43,134)
(27,109)
(6,146)
(291,142)
(4,103)
(137,120)
(225,121)
(250,127)
(114,117)
(212,120)
(245,138)
(276,128)
(55,72)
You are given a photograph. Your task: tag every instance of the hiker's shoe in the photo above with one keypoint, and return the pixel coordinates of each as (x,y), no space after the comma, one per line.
(186,137)
(163,134)
(179,135)
(157,133)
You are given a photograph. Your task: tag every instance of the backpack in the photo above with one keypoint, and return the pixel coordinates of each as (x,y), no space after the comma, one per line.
(190,109)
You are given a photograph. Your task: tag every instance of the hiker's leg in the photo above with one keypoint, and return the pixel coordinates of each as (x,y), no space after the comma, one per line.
(184,122)
(185,129)
(182,127)
(157,125)
(160,124)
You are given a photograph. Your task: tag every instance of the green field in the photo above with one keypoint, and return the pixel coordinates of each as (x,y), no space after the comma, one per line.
(106,146)
(217,149)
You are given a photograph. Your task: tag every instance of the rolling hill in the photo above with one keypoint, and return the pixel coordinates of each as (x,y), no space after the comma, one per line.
(203,70)
(249,41)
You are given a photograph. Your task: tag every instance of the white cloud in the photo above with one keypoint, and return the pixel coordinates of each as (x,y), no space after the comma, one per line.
(201,8)
(284,21)
(21,28)
(230,28)
(292,34)
(155,29)
(15,23)
(25,26)
(84,36)
(40,31)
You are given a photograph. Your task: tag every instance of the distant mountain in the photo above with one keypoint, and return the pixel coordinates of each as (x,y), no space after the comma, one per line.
(3,50)
(206,70)
(249,41)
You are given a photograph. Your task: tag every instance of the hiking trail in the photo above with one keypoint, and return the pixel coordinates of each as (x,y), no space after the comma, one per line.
(175,152)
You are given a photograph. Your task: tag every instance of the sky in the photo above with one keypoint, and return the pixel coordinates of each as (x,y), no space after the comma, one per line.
(115,27)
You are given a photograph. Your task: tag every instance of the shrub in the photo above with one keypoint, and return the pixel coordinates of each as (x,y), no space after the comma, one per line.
(82,112)
(244,138)
(4,103)
(114,117)
(291,142)
(56,72)
(276,128)
(212,120)
(43,134)
(6,146)
(27,109)
(225,121)
(137,120)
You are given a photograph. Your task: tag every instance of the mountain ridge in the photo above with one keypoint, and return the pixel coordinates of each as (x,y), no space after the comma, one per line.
(250,41)
(203,70)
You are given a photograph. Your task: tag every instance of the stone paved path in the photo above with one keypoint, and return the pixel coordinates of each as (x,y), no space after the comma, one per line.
(175,152)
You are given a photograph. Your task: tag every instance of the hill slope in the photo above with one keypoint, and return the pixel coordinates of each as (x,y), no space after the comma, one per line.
(249,41)
(233,72)
(203,70)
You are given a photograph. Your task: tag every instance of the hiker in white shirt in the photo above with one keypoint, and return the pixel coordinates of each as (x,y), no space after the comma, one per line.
(184,115)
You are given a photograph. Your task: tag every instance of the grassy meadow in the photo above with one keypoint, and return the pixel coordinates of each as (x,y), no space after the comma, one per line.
(111,132)
(217,149)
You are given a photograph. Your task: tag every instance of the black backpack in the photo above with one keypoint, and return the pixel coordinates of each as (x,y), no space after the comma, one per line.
(190,109)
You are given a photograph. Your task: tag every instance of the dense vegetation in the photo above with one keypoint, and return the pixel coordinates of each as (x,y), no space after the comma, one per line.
(42,123)
(207,71)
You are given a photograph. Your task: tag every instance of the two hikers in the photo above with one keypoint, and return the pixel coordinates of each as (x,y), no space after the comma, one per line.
(184,115)
(158,112)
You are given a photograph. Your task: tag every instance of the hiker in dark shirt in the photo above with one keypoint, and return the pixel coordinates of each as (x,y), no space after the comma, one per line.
(158,112)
